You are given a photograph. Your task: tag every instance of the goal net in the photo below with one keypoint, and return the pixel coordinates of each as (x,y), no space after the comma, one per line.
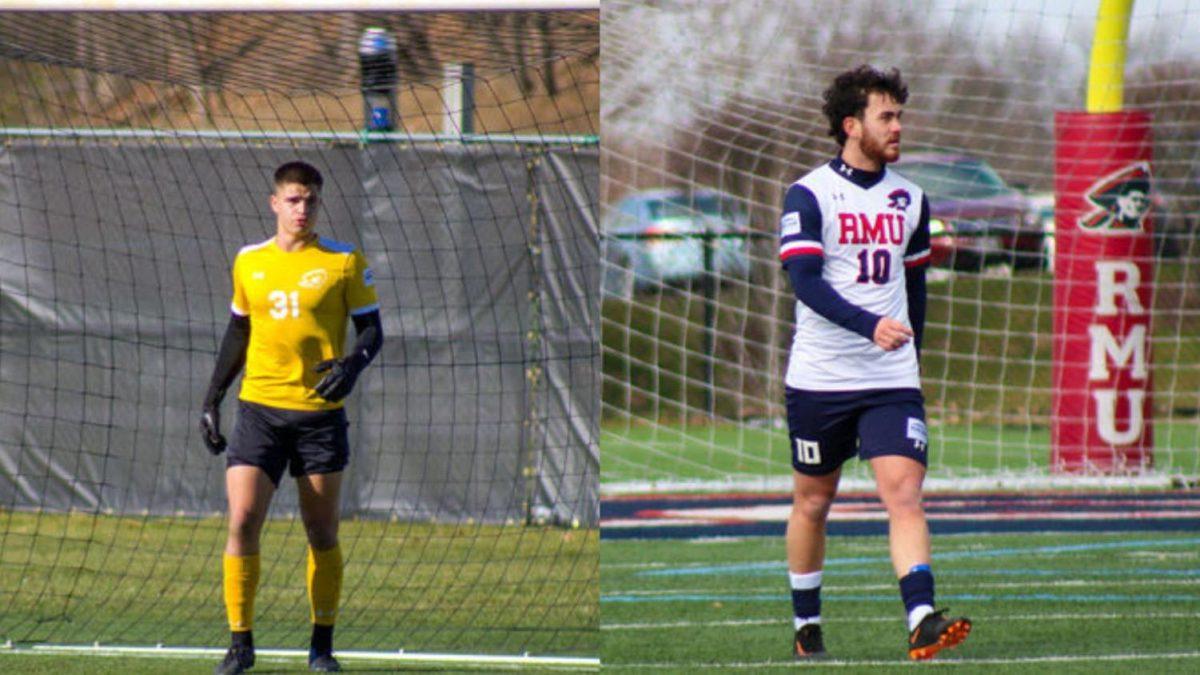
(706,125)
(136,159)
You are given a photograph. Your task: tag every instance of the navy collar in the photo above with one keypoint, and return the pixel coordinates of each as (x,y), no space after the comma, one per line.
(864,179)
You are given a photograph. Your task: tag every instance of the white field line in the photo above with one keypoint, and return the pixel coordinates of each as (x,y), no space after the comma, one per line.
(787,621)
(778,513)
(1000,481)
(410,658)
(945,663)
(842,588)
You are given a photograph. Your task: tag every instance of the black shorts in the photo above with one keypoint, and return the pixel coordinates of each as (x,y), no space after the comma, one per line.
(828,427)
(274,438)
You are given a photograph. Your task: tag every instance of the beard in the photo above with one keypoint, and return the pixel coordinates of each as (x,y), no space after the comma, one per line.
(878,150)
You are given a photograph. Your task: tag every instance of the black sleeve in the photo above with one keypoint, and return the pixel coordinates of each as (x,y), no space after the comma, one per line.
(812,289)
(802,253)
(370,336)
(914,285)
(916,261)
(230,359)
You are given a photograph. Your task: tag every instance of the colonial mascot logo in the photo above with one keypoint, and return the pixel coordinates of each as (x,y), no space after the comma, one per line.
(899,199)
(1122,201)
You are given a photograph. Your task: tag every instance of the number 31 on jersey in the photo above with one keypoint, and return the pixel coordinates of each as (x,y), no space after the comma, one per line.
(284,304)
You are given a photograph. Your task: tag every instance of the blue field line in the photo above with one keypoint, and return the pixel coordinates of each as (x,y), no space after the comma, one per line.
(777,567)
(891,597)
(1025,572)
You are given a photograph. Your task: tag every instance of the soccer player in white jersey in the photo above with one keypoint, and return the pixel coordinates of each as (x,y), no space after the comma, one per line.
(854,239)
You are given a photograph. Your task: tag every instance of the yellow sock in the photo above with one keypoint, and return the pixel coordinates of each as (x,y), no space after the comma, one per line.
(241,582)
(324,584)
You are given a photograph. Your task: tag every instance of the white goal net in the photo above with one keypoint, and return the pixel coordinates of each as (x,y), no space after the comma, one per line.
(708,121)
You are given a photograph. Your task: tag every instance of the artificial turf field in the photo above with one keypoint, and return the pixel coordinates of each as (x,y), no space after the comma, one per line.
(1041,603)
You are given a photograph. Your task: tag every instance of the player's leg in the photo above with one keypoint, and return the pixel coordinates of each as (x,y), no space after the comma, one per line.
(812,497)
(898,480)
(894,441)
(254,467)
(821,437)
(319,507)
(322,452)
(249,490)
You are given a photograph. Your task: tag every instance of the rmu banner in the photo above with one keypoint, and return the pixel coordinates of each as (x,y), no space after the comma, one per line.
(1102,293)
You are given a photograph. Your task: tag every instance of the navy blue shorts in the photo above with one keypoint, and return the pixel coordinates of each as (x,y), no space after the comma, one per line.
(827,428)
(304,442)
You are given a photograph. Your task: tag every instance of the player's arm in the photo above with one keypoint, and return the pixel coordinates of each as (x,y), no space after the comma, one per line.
(916,261)
(231,357)
(341,374)
(802,254)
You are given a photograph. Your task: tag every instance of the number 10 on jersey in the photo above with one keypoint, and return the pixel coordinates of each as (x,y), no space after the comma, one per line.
(880,271)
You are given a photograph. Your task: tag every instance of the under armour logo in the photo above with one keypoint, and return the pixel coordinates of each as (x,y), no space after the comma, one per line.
(846,169)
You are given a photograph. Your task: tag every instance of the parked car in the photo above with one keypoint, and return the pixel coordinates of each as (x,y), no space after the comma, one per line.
(976,219)
(655,237)
(1041,212)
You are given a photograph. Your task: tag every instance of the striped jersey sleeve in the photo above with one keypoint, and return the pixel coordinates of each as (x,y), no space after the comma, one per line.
(800,225)
(918,249)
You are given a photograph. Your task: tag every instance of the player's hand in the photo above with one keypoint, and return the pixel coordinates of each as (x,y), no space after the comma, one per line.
(340,376)
(891,334)
(210,429)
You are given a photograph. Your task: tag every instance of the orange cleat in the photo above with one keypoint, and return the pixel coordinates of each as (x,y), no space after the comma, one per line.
(935,633)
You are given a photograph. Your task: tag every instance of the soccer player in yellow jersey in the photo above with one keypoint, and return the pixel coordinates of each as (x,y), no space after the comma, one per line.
(292,295)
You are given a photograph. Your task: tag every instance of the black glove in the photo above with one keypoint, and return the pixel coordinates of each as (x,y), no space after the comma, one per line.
(210,430)
(340,379)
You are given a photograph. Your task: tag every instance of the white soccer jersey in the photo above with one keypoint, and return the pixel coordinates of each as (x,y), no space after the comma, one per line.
(865,228)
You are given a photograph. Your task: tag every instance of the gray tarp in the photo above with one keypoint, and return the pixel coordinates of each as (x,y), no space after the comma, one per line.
(115,287)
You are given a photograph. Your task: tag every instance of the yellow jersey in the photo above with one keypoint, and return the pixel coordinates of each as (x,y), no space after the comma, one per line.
(298,304)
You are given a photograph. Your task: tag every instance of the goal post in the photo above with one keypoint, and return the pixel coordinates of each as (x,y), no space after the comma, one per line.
(136,159)
(741,118)
(1104,269)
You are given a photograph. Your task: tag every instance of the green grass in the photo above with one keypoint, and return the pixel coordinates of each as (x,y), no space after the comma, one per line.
(705,451)
(49,665)
(147,665)
(466,588)
(1063,602)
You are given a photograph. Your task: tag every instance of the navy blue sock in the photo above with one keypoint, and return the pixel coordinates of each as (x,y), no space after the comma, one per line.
(916,587)
(806,594)
(806,603)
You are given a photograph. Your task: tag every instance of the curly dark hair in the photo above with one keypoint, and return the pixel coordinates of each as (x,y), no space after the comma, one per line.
(299,172)
(847,96)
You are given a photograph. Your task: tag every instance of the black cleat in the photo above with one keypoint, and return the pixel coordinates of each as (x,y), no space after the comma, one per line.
(237,660)
(935,633)
(325,663)
(808,643)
